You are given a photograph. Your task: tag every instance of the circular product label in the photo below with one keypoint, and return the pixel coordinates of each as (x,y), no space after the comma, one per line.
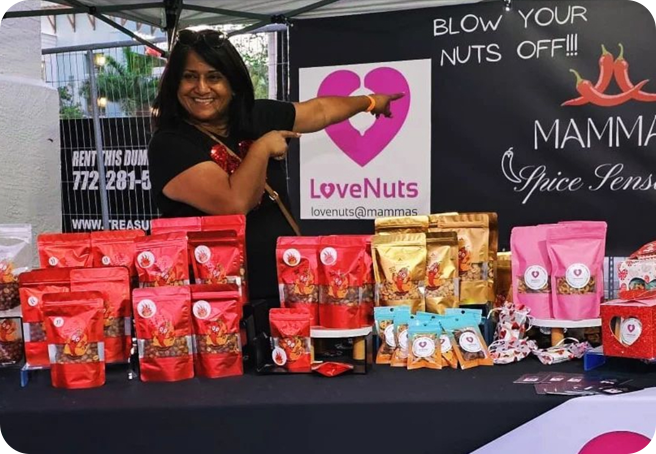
(53,261)
(328,256)
(279,356)
(577,275)
(630,330)
(446,344)
(146,308)
(389,336)
(58,322)
(146,259)
(202,254)
(403,340)
(469,342)
(106,261)
(33,301)
(536,277)
(202,309)
(291,257)
(423,347)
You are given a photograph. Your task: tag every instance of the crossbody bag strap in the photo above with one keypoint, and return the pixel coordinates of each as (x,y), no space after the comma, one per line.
(273,195)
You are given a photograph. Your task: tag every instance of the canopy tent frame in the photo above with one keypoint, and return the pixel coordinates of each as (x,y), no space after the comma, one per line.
(172,11)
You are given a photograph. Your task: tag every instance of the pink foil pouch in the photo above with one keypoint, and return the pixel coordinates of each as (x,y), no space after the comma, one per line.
(576,251)
(531,269)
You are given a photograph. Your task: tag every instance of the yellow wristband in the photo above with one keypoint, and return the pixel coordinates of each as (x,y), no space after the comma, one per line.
(372,103)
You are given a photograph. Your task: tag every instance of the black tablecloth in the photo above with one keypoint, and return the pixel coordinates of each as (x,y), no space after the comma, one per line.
(388,410)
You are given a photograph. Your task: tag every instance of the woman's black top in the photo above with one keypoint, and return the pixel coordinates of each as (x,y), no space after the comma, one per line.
(172,151)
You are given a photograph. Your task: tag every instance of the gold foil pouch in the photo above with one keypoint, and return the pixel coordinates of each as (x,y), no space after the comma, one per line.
(404,224)
(400,269)
(473,253)
(442,285)
(503,277)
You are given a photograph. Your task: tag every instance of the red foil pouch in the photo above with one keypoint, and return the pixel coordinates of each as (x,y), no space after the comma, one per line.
(217,258)
(332,369)
(231,223)
(162,318)
(115,248)
(114,284)
(340,279)
(174,225)
(290,337)
(64,250)
(216,311)
(74,325)
(162,260)
(32,286)
(298,273)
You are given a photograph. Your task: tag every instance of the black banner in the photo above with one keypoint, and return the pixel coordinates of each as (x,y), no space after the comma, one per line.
(125,143)
(501,140)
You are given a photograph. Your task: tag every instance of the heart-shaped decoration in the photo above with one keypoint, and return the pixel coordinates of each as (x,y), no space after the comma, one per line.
(577,272)
(327,189)
(469,339)
(423,344)
(535,274)
(363,148)
(622,274)
(626,330)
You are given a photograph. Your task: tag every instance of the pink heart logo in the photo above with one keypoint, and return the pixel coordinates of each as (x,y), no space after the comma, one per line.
(535,274)
(631,328)
(327,189)
(470,339)
(577,272)
(363,148)
(422,344)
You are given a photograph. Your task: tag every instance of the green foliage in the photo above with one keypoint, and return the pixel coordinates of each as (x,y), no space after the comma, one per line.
(67,108)
(130,83)
(254,51)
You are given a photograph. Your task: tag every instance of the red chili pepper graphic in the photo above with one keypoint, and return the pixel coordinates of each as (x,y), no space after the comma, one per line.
(605,76)
(621,71)
(594,96)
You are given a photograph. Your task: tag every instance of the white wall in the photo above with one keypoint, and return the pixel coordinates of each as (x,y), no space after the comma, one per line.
(30,178)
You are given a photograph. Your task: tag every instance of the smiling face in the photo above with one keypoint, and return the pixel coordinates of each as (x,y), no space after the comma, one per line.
(204,92)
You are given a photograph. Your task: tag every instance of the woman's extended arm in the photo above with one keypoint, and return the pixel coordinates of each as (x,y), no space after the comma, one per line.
(207,187)
(318,113)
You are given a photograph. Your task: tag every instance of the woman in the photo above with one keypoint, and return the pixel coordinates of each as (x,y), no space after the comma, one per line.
(204,111)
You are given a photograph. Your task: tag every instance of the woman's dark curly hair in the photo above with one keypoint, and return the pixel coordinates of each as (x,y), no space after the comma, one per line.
(167,111)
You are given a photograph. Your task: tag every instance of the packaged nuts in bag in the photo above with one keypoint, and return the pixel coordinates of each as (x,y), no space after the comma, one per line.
(402,321)
(114,285)
(442,283)
(400,269)
(11,342)
(231,223)
(216,258)
(384,317)
(33,285)
(531,269)
(424,346)
(115,248)
(15,258)
(216,311)
(473,253)
(175,225)
(74,324)
(402,224)
(576,252)
(340,277)
(467,341)
(298,273)
(64,250)
(162,318)
(162,260)
(290,337)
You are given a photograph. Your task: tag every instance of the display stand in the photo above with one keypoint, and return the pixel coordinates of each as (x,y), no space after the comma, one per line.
(558,326)
(352,346)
